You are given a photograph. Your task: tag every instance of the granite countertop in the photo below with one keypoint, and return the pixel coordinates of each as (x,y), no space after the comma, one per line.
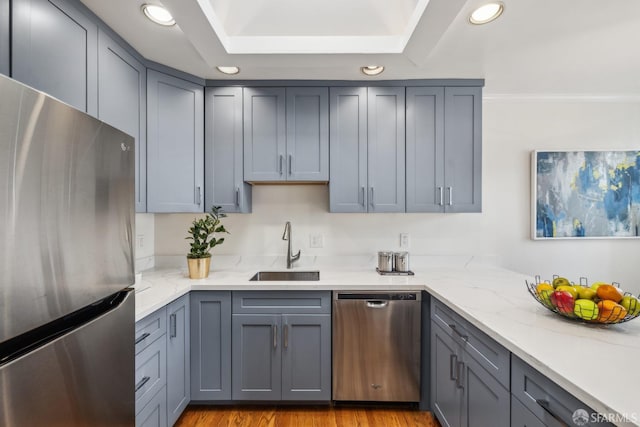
(597,364)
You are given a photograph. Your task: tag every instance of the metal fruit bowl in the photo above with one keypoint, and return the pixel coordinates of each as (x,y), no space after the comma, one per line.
(570,311)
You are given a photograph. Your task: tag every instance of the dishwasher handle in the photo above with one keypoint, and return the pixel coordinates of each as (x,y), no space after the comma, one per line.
(377,304)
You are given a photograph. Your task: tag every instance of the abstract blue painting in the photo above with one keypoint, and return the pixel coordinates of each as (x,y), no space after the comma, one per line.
(586,194)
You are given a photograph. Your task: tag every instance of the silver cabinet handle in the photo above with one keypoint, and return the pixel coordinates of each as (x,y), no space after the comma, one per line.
(458,333)
(450,189)
(545,405)
(371,201)
(237,196)
(377,304)
(142,382)
(274,330)
(363,196)
(172,326)
(441,200)
(453,373)
(281,159)
(460,374)
(198,195)
(290,164)
(142,337)
(286,336)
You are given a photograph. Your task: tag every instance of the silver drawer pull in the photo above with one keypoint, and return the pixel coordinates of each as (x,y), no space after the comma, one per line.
(173,330)
(274,328)
(453,373)
(280,168)
(286,336)
(363,197)
(237,196)
(377,304)
(441,200)
(450,195)
(455,329)
(290,164)
(142,382)
(142,337)
(459,375)
(545,405)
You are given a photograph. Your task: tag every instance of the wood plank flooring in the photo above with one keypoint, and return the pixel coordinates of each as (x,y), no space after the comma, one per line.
(304,416)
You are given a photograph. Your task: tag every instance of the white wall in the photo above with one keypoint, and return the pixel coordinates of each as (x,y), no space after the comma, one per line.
(512,128)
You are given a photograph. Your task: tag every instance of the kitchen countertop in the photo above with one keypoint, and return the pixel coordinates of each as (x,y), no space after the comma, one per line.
(597,364)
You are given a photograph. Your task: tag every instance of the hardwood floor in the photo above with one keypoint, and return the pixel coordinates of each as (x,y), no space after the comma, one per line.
(304,416)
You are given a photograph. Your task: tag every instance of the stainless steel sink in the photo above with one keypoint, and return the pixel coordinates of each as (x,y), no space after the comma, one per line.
(272,276)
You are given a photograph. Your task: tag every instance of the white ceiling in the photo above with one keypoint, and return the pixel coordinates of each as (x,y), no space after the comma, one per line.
(546,47)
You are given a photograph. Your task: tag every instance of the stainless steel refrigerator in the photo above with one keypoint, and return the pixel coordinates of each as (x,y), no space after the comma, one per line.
(66,262)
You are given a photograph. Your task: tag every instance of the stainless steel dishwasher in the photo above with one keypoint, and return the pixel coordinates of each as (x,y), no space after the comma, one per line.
(376,346)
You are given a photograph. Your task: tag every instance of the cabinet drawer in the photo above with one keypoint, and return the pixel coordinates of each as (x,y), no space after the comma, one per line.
(489,354)
(521,416)
(150,329)
(154,413)
(544,398)
(282,302)
(151,371)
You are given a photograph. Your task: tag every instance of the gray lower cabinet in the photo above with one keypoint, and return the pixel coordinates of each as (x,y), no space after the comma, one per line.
(469,373)
(59,58)
(154,413)
(122,102)
(5,37)
(151,369)
(178,358)
(286,134)
(521,416)
(210,345)
(223,165)
(367,138)
(281,346)
(175,144)
(444,149)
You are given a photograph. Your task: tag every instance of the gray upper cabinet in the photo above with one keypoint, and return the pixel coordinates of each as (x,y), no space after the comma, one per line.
(59,58)
(175,144)
(286,134)
(463,149)
(178,358)
(5,37)
(348,153)
(122,102)
(307,134)
(425,149)
(224,181)
(386,149)
(444,149)
(210,345)
(264,134)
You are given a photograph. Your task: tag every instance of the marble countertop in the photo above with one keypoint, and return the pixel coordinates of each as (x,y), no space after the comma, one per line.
(597,364)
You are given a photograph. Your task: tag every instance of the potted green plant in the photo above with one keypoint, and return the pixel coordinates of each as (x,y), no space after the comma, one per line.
(202,235)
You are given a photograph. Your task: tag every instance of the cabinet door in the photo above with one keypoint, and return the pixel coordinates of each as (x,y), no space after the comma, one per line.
(523,417)
(386,149)
(306,357)
(154,413)
(264,134)
(175,145)
(425,149)
(5,37)
(486,402)
(122,102)
(446,394)
(256,351)
(348,149)
(55,50)
(210,345)
(223,151)
(463,149)
(178,359)
(307,134)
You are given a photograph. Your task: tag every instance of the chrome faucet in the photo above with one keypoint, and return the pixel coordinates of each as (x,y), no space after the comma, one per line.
(287,236)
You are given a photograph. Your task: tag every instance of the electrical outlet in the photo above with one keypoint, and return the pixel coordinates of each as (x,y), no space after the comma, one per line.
(404,240)
(316,240)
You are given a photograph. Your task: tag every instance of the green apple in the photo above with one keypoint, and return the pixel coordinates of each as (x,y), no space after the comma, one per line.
(631,304)
(560,281)
(586,293)
(570,289)
(585,309)
(596,285)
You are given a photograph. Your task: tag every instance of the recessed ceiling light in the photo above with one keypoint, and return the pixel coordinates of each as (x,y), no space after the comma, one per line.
(372,70)
(158,14)
(228,70)
(486,13)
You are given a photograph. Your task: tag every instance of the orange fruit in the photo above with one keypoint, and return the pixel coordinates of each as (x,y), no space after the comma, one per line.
(609,292)
(610,312)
